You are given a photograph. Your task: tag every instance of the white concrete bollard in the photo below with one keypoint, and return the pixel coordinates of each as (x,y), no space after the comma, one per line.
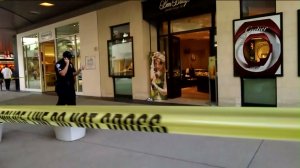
(1,128)
(69,133)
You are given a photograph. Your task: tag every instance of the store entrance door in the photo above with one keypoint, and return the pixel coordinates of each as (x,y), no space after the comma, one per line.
(47,51)
(192,54)
(173,78)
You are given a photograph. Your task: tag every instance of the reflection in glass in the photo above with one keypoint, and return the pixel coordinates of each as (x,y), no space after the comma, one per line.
(120,57)
(121,60)
(164,28)
(164,48)
(67,30)
(252,8)
(47,51)
(31,62)
(191,23)
(257,51)
(120,31)
(259,92)
(123,86)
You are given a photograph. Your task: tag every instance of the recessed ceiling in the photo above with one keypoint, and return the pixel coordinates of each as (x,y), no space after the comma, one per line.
(17,14)
(23,15)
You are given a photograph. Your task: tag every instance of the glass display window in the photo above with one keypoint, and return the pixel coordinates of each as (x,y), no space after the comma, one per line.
(257,7)
(120,58)
(47,54)
(250,8)
(120,31)
(67,30)
(259,92)
(120,54)
(31,62)
(163,29)
(123,87)
(190,23)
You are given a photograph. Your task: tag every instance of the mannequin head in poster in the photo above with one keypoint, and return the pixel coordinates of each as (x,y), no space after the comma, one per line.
(158,76)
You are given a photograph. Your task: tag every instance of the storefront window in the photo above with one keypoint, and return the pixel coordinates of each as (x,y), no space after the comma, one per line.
(190,23)
(259,92)
(120,31)
(164,47)
(123,86)
(257,7)
(120,57)
(31,62)
(264,87)
(121,65)
(68,40)
(67,30)
(164,28)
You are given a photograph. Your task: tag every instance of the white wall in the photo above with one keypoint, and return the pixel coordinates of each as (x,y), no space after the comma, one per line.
(88,46)
(126,12)
(288,86)
(229,87)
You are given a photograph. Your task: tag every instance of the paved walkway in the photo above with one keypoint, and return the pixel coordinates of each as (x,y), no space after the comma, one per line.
(34,146)
(33,98)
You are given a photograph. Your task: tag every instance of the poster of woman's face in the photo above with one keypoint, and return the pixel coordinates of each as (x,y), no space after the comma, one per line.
(258,46)
(158,76)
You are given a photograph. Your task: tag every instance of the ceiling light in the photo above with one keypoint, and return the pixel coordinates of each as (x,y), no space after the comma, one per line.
(46,4)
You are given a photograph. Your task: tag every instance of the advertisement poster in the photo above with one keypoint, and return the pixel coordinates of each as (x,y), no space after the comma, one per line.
(158,81)
(90,62)
(298,42)
(258,46)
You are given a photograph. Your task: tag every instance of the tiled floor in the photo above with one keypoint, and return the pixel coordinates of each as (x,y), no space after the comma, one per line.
(35,146)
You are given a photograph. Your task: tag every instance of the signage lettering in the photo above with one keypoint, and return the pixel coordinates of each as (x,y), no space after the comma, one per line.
(254,28)
(172,4)
(46,36)
(133,122)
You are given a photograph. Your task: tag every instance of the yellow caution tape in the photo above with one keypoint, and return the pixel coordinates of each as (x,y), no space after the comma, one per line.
(243,122)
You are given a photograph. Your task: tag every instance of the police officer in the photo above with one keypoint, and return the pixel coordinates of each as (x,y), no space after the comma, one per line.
(65,80)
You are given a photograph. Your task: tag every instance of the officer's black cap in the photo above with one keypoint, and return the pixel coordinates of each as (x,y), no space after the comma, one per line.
(67,54)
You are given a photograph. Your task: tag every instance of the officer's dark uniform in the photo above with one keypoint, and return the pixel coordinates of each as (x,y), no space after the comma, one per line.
(65,84)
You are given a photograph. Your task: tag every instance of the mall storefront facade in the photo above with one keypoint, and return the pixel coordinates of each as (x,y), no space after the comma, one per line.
(197,39)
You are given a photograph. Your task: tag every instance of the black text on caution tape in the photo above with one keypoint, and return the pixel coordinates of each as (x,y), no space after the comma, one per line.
(113,121)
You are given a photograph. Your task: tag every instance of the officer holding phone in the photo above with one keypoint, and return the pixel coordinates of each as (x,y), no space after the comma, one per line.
(65,80)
